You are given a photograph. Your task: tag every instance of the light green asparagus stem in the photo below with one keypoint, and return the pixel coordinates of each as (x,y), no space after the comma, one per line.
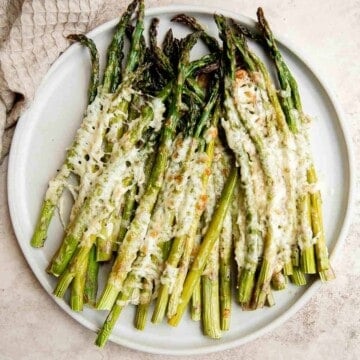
(143,307)
(307,256)
(107,242)
(210,295)
(91,283)
(209,240)
(195,309)
(238,233)
(298,277)
(322,256)
(141,315)
(127,214)
(307,260)
(108,326)
(78,288)
(288,268)
(76,266)
(196,303)
(270,301)
(295,256)
(225,250)
(115,312)
(46,214)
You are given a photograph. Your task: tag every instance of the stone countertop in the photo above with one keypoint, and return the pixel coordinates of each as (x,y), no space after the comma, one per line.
(32,326)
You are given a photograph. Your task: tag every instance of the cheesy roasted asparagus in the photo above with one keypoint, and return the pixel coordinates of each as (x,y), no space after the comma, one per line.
(192,178)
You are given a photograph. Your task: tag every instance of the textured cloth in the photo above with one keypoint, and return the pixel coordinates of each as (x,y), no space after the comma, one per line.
(32,35)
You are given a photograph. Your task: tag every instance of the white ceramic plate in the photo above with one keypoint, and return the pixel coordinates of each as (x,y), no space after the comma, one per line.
(48,127)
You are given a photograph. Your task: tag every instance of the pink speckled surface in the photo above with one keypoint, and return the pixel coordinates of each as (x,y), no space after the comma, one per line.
(32,326)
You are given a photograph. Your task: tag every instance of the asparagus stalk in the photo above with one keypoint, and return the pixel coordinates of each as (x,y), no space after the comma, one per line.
(133,135)
(146,293)
(209,240)
(167,44)
(285,137)
(91,282)
(191,22)
(159,56)
(114,53)
(115,312)
(253,234)
(183,244)
(238,224)
(196,300)
(135,46)
(130,202)
(107,237)
(95,65)
(78,288)
(225,250)
(57,184)
(213,304)
(210,293)
(322,256)
(133,277)
(196,208)
(107,241)
(76,228)
(255,66)
(196,303)
(138,227)
(298,277)
(143,307)
(292,108)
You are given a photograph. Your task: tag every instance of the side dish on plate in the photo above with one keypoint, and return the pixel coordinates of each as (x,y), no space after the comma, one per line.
(192,178)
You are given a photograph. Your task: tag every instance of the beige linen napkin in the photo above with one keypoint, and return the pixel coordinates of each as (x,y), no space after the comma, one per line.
(32,35)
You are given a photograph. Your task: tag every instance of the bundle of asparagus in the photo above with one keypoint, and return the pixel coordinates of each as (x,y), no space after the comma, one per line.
(182,166)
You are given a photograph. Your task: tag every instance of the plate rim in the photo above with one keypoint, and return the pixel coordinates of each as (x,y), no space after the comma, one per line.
(309,292)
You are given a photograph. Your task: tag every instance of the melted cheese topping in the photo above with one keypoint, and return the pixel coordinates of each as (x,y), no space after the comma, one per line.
(114,182)
(194,191)
(240,143)
(278,168)
(212,266)
(160,227)
(56,185)
(226,237)
(239,229)
(169,276)
(159,111)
